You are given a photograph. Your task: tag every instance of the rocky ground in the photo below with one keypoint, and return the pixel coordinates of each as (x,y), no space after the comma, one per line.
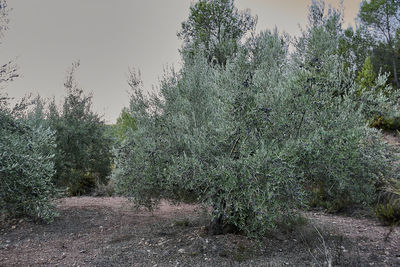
(109,232)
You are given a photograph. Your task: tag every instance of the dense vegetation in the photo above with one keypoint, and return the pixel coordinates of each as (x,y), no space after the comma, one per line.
(46,150)
(256,126)
(26,153)
(262,133)
(83,155)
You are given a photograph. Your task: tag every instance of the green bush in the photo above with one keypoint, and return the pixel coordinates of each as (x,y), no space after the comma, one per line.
(82,184)
(26,170)
(83,154)
(388,213)
(388,207)
(253,138)
(383,123)
(104,190)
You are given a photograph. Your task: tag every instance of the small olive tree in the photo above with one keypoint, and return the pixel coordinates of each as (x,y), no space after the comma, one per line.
(83,155)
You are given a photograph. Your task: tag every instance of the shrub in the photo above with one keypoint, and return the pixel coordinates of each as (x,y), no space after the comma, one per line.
(26,170)
(388,207)
(104,190)
(83,152)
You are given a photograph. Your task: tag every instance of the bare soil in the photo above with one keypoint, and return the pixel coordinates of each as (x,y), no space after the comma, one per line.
(109,232)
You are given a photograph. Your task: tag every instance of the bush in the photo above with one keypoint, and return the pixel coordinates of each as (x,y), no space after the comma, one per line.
(383,123)
(388,213)
(26,170)
(104,190)
(388,207)
(81,184)
(83,154)
(253,138)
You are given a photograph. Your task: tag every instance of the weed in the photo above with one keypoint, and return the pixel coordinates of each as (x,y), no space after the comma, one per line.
(183,222)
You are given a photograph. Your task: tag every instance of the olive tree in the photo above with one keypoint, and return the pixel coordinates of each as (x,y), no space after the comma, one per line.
(258,138)
(83,149)
(26,155)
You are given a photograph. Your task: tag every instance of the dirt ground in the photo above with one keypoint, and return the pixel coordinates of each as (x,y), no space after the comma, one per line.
(109,232)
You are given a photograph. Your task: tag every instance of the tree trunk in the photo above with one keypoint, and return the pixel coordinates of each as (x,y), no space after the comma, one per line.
(218,224)
(396,79)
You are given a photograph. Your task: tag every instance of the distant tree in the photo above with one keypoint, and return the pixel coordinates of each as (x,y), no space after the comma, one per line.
(320,39)
(355,45)
(83,150)
(380,16)
(366,77)
(125,123)
(215,27)
(8,71)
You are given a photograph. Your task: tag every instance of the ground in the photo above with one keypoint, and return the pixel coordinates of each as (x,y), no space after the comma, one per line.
(109,232)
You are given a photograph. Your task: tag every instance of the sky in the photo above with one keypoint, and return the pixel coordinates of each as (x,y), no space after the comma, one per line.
(108,37)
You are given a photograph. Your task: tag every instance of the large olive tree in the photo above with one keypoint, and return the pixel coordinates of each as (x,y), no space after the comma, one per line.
(257,138)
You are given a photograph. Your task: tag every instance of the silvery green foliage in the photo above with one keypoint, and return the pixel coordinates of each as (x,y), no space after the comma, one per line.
(26,151)
(83,154)
(254,138)
(341,158)
(206,140)
(26,169)
(378,101)
(134,153)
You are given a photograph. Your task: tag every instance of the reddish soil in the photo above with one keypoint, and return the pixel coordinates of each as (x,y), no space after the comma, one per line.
(109,232)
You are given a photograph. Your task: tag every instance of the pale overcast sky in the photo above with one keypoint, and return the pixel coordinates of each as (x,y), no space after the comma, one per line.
(108,36)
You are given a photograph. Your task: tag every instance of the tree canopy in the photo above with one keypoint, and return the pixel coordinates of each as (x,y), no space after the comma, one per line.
(265,135)
(215,27)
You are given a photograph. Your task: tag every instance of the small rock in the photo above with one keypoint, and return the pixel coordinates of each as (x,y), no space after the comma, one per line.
(165,253)
(181,250)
